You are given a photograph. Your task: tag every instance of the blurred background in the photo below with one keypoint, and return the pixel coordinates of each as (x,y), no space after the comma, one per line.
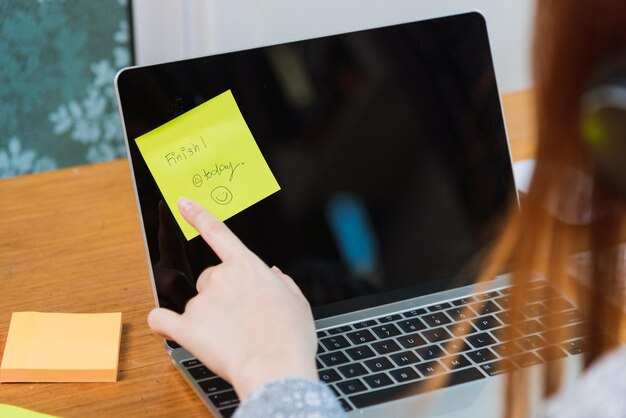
(58,58)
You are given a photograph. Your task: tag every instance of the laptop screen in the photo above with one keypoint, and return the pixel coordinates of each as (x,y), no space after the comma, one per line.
(388,144)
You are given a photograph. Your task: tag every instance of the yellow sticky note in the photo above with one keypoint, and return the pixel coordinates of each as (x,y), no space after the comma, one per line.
(62,347)
(17,412)
(209,155)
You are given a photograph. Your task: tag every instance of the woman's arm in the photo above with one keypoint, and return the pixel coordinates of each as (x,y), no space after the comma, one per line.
(249,324)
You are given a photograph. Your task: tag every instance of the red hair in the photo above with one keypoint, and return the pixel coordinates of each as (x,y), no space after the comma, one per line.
(568,207)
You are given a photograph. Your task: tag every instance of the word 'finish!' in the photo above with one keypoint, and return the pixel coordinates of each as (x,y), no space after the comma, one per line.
(174,158)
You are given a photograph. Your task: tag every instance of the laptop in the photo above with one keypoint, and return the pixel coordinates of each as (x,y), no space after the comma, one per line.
(390,149)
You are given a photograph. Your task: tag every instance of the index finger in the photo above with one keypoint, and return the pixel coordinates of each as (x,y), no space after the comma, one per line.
(221,239)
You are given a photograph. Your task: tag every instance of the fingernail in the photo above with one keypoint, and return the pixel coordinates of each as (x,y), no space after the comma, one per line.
(185,204)
(151,315)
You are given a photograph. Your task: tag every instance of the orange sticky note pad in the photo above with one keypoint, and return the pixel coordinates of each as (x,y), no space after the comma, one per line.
(62,347)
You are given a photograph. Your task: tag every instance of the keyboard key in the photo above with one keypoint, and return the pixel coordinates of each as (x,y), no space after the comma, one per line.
(456,362)
(414,312)
(411,325)
(351,386)
(439,307)
(505,317)
(436,319)
(345,405)
(379,380)
(430,352)
(503,349)
(485,307)
(404,375)
(335,343)
(411,389)
(488,295)
(328,375)
(214,385)
(200,372)
(531,343)
(480,340)
(364,324)
(504,302)
(526,359)
(531,326)
(224,399)
(320,349)
(228,412)
(430,368)
(575,347)
(386,331)
(456,346)
(496,367)
(389,318)
(335,391)
(535,310)
(506,333)
(361,337)
(191,363)
(321,334)
(436,335)
(461,313)
(551,353)
(360,353)
(352,370)
(487,322)
(464,301)
(386,346)
(378,364)
(482,356)
(404,358)
(339,330)
(318,364)
(411,340)
(334,359)
(461,329)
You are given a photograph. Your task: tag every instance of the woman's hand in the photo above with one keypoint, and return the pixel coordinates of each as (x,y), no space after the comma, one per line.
(249,324)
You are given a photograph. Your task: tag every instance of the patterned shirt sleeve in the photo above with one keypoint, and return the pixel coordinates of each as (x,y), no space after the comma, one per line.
(291,398)
(601,392)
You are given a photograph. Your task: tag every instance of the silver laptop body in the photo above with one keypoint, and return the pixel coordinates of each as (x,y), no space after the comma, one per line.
(391,151)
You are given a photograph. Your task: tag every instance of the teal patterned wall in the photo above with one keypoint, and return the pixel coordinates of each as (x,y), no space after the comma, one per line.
(58,59)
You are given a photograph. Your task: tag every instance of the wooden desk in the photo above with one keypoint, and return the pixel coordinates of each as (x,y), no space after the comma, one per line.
(70,242)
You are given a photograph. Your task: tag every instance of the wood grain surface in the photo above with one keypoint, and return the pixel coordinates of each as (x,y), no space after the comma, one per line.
(70,242)
(519,112)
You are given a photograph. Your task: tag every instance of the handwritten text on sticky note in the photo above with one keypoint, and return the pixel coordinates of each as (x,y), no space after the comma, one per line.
(209,155)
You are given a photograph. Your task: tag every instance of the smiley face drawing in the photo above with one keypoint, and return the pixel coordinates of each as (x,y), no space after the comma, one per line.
(221,195)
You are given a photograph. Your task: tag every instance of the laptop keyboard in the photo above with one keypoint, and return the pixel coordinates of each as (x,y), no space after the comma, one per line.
(392,357)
